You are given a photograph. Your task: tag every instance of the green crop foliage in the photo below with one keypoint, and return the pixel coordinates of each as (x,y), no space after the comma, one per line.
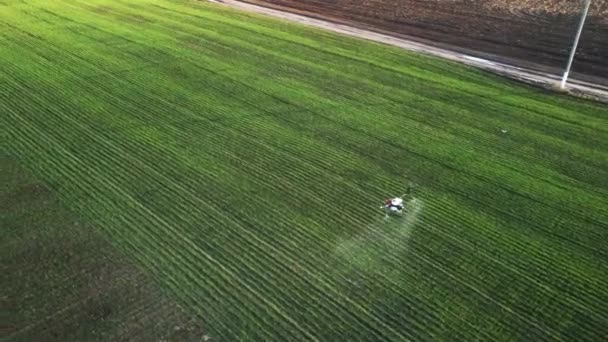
(64,281)
(240,162)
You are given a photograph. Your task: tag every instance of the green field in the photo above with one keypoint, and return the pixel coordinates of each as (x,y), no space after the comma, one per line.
(63,281)
(226,170)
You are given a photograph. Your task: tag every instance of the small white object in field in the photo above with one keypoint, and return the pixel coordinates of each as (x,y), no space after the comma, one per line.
(503,131)
(397,201)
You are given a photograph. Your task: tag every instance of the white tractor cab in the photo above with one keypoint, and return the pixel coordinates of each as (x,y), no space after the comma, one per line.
(396,205)
(393,206)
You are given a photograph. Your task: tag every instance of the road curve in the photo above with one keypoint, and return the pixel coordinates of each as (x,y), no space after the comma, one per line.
(541,79)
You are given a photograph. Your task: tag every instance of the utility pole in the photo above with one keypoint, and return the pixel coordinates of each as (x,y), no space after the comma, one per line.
(575,45)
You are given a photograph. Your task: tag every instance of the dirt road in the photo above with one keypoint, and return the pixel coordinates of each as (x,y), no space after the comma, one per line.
(542,79)
(536,34)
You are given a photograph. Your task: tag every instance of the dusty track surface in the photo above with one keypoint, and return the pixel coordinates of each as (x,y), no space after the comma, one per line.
(595,87)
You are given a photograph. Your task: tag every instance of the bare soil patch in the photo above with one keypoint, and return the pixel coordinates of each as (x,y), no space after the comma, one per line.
(533,32)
